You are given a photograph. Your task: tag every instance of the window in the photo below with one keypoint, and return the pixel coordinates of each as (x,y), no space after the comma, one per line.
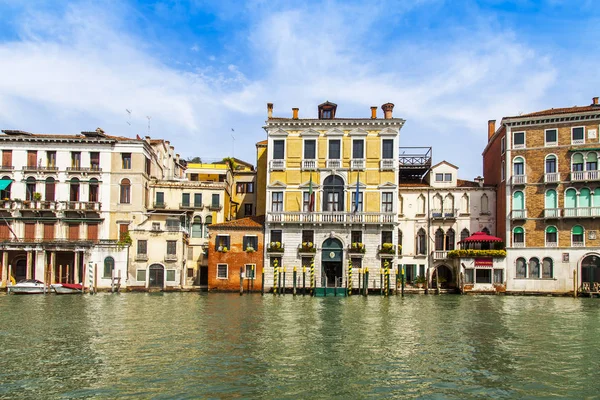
(334,149)
(551,137)
(216,201)
(356,236)
(250,241)
(518,237)
(160,199)
(308,236)
(387,203)
(277,201)
(48,231)
(7,158)
(485,207)
(483,275)
(421,242)
(93,190)
(503,171)
(148,166)
(386,237)
(74,190)
(358,148)
(521,268)
(125,191)
(207,224)
(518,200)
(503,144)
(326,114)
(75,159)
(222,242)
(197,227)
(409,272)
(50,189)
(387,149)
(439,239)
(570,198)
(32,158)
(577,162)
(173,224)
(577,235)
(247,209)
(519,140)
(498,276)
(51,159)
(448,177)
(464,234)
(249,187)
(551,203)
(156,226)
(171,247)
(250,272)
(333,193)
(239,188)
(278,149)
(591,162)
(222,271)
(123,231)
(469,276)
(140,275)
(29,188)
(577,135)
(5,193)
(197,199)
(439,177)
(170,275)
(276,236)
(518,166)
(551,164)
(142,247)
(547,268)
(450,239)
(109,267)
(534,268)
(185,199)
(94,161)
(126,160)
(310,149)
(357,205)
(92,232)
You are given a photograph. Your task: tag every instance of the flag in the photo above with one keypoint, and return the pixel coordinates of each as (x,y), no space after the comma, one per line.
(356,202)
(311,196)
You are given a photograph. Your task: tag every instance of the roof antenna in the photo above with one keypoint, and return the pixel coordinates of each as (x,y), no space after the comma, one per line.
(129,119)
(149,118)
(233,144)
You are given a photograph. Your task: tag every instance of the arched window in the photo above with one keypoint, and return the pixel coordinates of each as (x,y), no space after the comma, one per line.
(485,205)
(449,205)
(518,237)
(519,166)
(596,198)
(333,193)
(109,266)
(439,239)
(591,162)
(5,193)
(29,188)
(50,192)
(400,205)
(464,203)
(421,204)
(74,189)
(585,202)
(464,234)
(577,236)
(521,268)
(93,190)
(450,239)
(577,162)
(197,227)
(518,200)
(570,198)
(125,191)
(207,223)
(534,268)
(547,268)
(550,164)
(437,206)
(551,199)
(421,242)
(551,236)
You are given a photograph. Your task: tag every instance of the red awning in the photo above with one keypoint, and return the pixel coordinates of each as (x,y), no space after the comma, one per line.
(480,237)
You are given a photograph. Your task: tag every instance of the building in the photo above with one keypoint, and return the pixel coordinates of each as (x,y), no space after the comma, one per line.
(331,189)
(545,168)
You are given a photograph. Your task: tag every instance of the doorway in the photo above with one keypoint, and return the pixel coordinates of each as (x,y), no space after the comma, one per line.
(21,270)
(590,270)
(332,271)
(331,265)
(156,277)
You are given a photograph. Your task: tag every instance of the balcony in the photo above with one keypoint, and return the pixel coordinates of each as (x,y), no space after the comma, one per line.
(519,179)
(551,213)
(309,165)
(160,204)
(81,205)
(584,176)
(437,213)
(582,212)
(307,248)
(170,257)
(519,245)
(553,177)
(387,164)
(358,164)
(80,170)
(6,168)
(215,207)
(277,165)
(39,169)
(386,250)
(141,257)
(334,164)
(440,255)
(551,244)
(518,214)
(331,217)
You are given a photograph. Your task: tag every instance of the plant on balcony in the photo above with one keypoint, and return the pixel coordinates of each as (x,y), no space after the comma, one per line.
(358,247)
(37,196)
(420,281)
(250,249)
(275,247)
(476,253)
(124,240)
(308,247)
(387,248)
(222,249)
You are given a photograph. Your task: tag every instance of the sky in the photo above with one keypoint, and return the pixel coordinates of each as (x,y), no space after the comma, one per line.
(199,73)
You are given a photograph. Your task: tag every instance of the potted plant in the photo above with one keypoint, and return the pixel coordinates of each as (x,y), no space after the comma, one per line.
(37,196)
(387,248)
(275,247)
(250,249)
(358,247)
(420,281)
(307,247)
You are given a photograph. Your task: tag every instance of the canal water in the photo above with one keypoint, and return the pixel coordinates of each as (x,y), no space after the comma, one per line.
(190,345)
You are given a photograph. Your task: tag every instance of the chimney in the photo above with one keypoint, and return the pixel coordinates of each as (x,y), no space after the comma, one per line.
(491,128)
(479,181)
(269,110)
(374,112)
(387,110)
(594,101)
(295,113)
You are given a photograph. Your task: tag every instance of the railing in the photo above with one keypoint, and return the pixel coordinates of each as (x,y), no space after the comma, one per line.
(309,165)
(357,164)
(93,169)
(141,257)
(277,165)
(215,207)
(578,141)
(577,176)
(50,205)
(518,214)
(437,213)
(170,257)
(578,244)
(334,164)
(387,164)
(552,177)
(552,213)
(582,212)
(39,168)
(519,245)
(6,167)
(159,205)
(519,179)
(334,217)
(551,244)
(440,254)
(81,205)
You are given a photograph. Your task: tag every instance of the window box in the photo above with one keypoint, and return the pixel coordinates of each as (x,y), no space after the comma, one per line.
(461,253)
(307,247)
(387,248)
(357,248)
(275,247)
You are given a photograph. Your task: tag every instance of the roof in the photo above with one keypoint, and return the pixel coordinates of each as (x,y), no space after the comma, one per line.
(262,143)
(247,222)
(444,162)
(480,237)
(17,134)
(464,183)
(554,111)
(413,184)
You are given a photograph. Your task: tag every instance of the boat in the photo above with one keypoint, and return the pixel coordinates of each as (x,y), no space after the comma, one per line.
(67,288)
(28,286)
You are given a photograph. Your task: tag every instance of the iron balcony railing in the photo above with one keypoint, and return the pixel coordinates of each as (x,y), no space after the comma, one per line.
(579,176)
(334,217)
(6,167)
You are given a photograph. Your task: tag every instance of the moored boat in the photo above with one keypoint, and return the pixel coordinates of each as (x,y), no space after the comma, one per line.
(28,286)
(67,288)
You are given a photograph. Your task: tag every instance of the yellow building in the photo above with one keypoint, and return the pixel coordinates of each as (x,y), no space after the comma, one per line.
(331,193)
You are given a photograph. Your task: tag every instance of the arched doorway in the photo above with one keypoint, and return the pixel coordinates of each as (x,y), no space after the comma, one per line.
(156,276)
(445,277)
(20,270)
(331,263)
(590,269)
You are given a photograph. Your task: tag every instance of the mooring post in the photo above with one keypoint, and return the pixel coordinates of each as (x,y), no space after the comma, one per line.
(252,278)
(262,281)
(575,283)
(359,281)
(350,277)
(295,269)
(304,280)
(275,275)
(95,278)
(241,281)
(60,274)
(312,276)
(366,285)
(403,280)
(282,291)
(381,281)
(387,281)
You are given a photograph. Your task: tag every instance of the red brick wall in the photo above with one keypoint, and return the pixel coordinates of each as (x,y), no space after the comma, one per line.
(492,164)
(235,258)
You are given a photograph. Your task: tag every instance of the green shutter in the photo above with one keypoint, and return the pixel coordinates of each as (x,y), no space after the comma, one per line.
(518,203)
(592,157)
(596,198)
(577,230)
(570,198)
(551,229)
(577,158)
(518,229)
(551,199)
(584,198)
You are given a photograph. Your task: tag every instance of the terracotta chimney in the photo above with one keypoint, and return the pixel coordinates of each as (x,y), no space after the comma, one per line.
(387,110)
(269,110)
(595,101)
(374,112)
(491,128)
(295,113)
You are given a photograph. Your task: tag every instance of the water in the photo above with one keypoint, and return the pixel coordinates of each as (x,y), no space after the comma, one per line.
(189,345)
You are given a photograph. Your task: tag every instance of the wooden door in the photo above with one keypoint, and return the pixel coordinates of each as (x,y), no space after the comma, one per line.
(29,231)
(48,231)
(31,158)
(73,231)
(92,232)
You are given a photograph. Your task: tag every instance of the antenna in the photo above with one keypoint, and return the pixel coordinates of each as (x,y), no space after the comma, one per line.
(129,120)
(233,144)
(149,118)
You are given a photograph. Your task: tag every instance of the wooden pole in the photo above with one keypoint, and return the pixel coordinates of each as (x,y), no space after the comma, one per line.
(575,283)
(241,281)
(295,274)
(60,270)
(9,275)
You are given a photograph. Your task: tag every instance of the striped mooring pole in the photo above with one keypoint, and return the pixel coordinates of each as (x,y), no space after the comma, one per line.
(295,274)
(366,282)
(350,277)
(91,278)
(312,276)
(304,280)
(275,275)
(386,269)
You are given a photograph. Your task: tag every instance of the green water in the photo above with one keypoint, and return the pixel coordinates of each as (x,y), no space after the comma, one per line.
(188,345)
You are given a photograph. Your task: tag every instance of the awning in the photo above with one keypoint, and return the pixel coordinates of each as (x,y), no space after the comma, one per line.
(4,183)
(480,237)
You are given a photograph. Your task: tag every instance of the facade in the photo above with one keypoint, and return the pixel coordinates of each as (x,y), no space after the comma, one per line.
(331,189)
(236,246)
(545,168)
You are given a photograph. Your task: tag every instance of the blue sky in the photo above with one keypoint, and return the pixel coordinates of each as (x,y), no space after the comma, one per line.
(201,68)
